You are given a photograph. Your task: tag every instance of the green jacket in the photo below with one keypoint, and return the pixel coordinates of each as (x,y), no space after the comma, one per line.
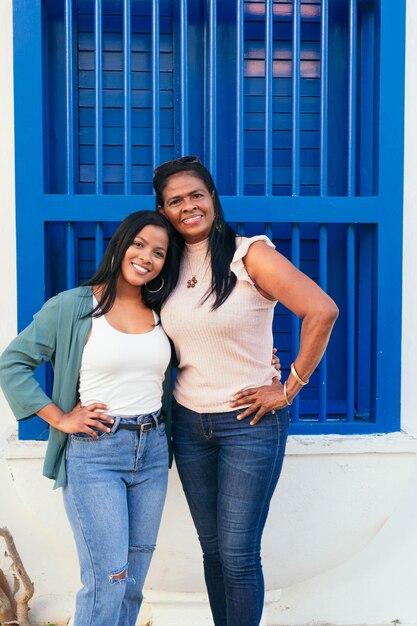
(58,334)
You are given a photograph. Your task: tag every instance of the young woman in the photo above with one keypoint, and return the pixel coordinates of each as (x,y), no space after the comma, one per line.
(107,446)
(219,318)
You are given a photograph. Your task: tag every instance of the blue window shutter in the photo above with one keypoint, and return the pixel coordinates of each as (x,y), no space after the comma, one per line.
(297,109)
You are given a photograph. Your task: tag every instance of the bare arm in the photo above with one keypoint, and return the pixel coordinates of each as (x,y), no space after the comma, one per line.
(277,278)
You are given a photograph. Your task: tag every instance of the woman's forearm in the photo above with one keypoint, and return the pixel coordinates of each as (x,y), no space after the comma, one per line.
(315,333)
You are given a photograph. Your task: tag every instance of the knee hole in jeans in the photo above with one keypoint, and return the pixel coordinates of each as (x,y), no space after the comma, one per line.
(120,576)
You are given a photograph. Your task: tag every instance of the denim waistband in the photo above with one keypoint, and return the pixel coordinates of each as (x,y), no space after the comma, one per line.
(136,421)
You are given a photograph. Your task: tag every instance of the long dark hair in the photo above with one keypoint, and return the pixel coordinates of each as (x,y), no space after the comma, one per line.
(222,238)
(109,269)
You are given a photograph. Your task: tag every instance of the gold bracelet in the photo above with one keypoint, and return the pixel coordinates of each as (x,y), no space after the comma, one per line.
(285,394)
(299,380)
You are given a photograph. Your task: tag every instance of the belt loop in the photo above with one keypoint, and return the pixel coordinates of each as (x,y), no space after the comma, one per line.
(115,425)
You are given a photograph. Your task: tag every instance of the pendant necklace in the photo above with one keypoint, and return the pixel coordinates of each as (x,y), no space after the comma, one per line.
(191,282)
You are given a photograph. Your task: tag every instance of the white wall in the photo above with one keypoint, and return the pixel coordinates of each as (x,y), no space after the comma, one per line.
(341,542)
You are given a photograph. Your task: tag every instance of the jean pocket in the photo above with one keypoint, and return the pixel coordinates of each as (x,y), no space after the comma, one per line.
(86,438)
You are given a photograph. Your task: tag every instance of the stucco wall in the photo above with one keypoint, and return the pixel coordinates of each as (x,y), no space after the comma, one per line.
(341,542)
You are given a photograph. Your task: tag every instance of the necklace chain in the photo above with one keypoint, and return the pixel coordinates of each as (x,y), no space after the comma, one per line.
(191,282)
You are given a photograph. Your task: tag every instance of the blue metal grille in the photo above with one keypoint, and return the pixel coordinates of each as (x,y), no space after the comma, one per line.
(146,81)
(294,105)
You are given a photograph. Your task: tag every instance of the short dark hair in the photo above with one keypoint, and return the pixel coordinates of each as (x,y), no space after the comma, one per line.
(109,269)
(222,238)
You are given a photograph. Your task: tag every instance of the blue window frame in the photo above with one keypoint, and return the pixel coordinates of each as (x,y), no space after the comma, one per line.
(296,106)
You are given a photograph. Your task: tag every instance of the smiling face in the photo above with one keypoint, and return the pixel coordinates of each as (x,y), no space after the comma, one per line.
(189,206)
(145,257)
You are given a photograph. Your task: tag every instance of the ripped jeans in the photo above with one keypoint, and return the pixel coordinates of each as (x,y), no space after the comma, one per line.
(114,499)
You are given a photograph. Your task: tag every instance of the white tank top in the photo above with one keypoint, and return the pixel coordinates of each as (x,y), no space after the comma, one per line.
(124,371)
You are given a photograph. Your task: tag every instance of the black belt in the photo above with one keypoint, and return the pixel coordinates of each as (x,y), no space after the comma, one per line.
(142,427)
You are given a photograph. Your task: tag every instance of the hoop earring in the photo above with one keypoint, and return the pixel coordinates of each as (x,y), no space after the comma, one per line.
(156,290)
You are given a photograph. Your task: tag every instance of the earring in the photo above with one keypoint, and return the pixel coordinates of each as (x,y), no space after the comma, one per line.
(156,290)
(217,224)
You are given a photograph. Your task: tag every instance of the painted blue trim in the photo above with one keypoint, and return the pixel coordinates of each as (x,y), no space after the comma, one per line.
(183,80)
(373,166)
(211,106)
(353,18)
(70,256)
(127,97)
(98,69)
(295,98)
(69,82)
(269,69)
(323,363)
(240,100)
(324,87)
(295,322)
(156,133)
(350,322)
(99,245)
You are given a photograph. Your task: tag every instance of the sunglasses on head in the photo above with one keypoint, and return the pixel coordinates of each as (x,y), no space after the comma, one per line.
(182,160)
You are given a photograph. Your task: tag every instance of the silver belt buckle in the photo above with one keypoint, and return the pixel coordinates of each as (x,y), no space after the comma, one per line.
(145,427)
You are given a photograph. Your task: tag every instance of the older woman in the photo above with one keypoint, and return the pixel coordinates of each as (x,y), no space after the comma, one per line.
(230,423)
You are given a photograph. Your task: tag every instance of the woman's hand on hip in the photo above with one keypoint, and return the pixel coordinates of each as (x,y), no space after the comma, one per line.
(82,419)
(261,400)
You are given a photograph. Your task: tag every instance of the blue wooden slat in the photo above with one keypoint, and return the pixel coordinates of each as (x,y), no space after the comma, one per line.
(269,53)
(98,96)
(351,178)
(365,320)
(127,109)
(70,255)
(183,74)
(240,88)
(295,322)
(350,322)
(69,84)
(99,242)
(211,157)
(156,138)
(324,95)
(296,99)
(323,363)
(367,110)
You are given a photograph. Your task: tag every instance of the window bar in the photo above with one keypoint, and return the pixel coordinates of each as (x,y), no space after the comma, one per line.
(323,284)
(351,183)
(70,255)
(240,126)
(184,77)
(69,96)
(212,91)
(295,322)
(156,133)
(296,99)
(324,95)
(98,244)
(268,230)
(269,60)
(350,325)
(127,97)
(98,66)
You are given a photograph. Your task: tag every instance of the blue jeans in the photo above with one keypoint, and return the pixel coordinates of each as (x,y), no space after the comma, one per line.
(229,471)
(114,498)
